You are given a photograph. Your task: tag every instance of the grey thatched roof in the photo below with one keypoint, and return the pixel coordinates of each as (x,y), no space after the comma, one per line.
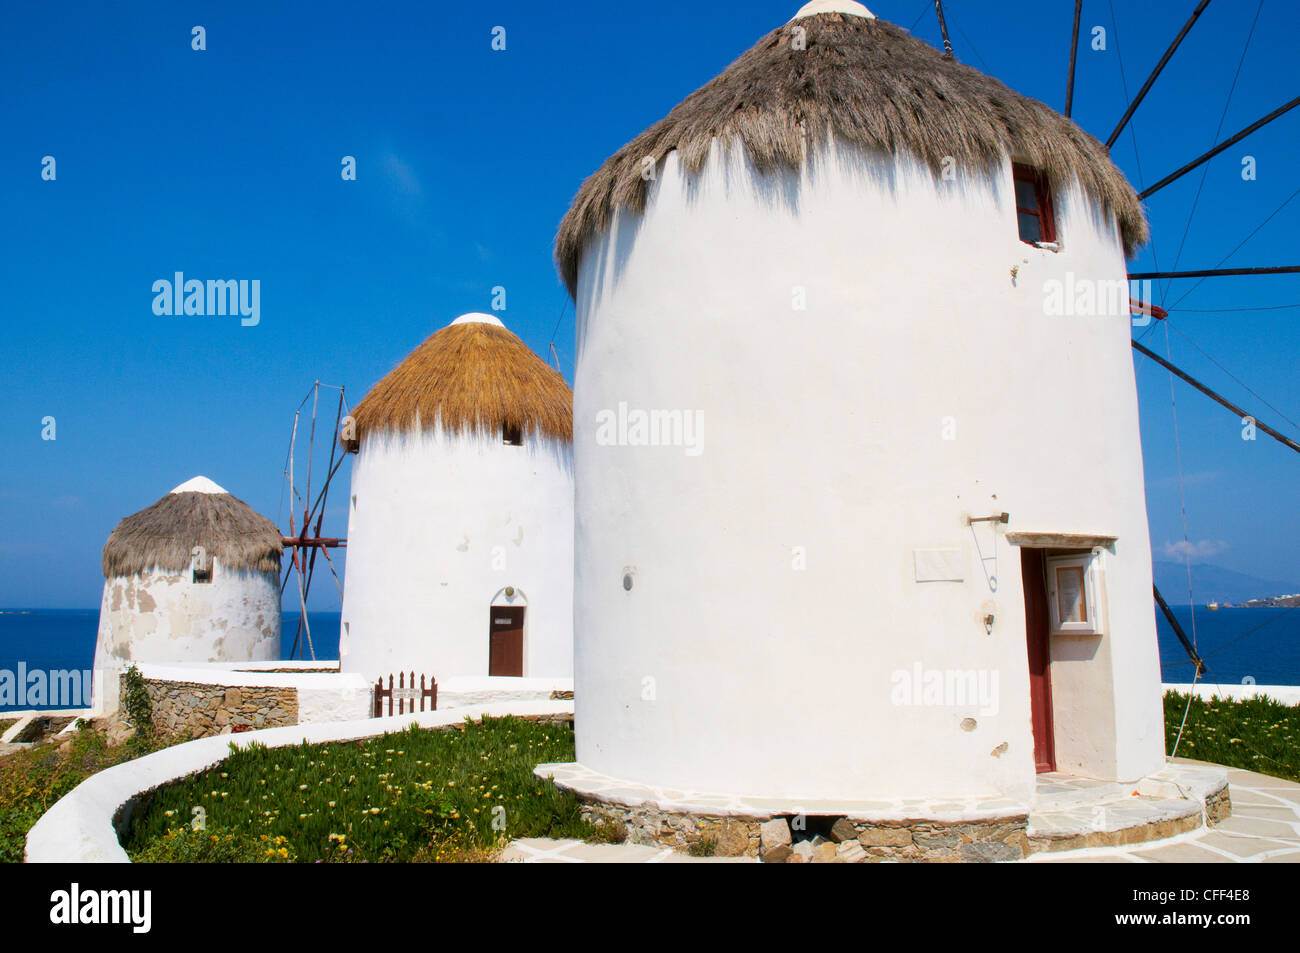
(164,535)
(860,80)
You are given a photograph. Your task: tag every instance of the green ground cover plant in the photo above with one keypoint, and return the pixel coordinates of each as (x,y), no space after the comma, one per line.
(1258,734)
(416,795)
(33,779)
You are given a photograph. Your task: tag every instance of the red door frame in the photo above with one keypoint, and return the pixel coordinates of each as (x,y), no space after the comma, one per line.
(1037,641)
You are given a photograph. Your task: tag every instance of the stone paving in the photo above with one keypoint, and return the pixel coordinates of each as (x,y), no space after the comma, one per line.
(1070,810)
(1264,826)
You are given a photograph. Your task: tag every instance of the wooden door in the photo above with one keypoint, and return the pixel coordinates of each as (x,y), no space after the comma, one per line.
(1037,625)
(506,641)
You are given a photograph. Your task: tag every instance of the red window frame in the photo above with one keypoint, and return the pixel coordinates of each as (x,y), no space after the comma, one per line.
(1045,214)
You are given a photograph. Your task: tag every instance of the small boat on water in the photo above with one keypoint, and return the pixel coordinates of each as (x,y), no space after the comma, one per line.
(1213,605)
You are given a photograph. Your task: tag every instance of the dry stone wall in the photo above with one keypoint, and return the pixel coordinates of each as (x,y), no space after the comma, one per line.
(842,840)
(189,708)
(846,841)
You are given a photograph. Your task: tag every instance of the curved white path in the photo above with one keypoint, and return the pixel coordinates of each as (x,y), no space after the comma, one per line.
(82,827)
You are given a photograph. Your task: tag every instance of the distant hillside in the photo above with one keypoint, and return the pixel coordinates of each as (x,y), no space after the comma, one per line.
(1214,583)
(1276,602)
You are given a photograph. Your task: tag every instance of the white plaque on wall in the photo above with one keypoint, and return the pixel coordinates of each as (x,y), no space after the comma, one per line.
(938,565)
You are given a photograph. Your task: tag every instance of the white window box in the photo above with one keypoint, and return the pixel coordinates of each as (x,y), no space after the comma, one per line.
(1072,594)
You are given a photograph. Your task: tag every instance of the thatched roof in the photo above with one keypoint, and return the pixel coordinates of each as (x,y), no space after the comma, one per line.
(863,81)
(474,375)
(196,513)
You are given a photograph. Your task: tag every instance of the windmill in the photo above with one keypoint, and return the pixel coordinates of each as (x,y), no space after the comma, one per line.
(307,514)
(1151,310)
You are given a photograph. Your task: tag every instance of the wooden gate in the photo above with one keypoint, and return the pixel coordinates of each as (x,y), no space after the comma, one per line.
(405,694)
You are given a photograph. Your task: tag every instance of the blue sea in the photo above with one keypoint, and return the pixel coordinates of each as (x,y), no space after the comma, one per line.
(64,639)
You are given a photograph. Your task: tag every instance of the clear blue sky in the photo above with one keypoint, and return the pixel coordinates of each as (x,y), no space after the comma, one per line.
(225,163)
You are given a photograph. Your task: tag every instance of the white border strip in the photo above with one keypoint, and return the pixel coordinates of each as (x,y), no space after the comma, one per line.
(220,676)
(1286,694)
(81,827)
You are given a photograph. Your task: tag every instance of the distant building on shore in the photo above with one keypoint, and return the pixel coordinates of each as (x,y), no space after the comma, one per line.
(193,578)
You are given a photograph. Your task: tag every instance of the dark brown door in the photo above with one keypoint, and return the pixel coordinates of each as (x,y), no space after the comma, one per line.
(1037,626)
(506,645)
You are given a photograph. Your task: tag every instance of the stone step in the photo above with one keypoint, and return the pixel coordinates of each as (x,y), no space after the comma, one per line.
(1059,792)
(1113,822)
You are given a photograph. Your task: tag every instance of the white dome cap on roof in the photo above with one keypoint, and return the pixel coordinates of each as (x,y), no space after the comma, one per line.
(833,6)
(476,317)
(199,484)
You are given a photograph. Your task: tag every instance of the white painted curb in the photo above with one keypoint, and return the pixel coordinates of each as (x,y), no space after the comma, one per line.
(1286,694)
(82,827)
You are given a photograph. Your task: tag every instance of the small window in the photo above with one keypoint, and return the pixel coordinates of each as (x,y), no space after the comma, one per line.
(1034,213)
(1072,594)
(511,435)
(200,565)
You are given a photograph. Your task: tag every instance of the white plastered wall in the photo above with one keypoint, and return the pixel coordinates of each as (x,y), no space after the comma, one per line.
(439,525)
(725,668)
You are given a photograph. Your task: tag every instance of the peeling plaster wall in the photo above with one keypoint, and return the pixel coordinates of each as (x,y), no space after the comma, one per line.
(726,667)
(439,525)
(166,617)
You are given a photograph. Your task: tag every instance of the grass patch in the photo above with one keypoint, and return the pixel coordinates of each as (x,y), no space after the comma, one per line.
(435,795)
(32,780)
(6,724)
(186,846)
(704,847)
(608,832)
(1257,734)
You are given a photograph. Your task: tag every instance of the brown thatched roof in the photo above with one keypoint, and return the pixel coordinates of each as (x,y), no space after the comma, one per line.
(164,535)
(473,375)
(869,83)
